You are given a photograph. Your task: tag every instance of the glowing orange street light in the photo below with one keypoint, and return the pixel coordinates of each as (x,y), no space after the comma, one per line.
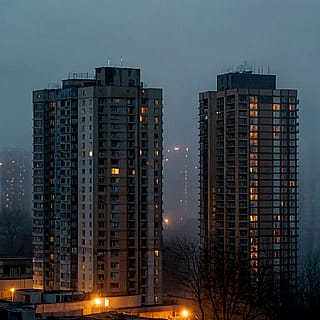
(184,313)
(12,293)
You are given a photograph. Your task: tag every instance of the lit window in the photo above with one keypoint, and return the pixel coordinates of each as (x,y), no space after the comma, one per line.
(115,171)
(156,102)
(253,127)
(276,106)
(254,218)
(253,113)
(253,99)
(253,197)
(253,162)
(253,255)
(156,153)
(144,110)
(253,106)
(90,153)
(156,119)
(254,142)
(156,253)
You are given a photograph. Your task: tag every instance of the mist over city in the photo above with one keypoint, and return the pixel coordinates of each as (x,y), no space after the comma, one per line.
(54,52)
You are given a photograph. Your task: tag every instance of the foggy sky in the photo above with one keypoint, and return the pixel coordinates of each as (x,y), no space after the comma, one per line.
(180,45)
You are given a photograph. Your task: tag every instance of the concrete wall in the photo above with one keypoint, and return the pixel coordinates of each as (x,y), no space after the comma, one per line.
(6,285)
(87,307)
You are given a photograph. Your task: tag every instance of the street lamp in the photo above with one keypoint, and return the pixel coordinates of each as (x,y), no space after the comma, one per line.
(12,294)
(184,313)
(166,223)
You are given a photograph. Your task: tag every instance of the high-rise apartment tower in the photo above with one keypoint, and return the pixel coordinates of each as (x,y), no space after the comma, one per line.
(248,175)
(97,185)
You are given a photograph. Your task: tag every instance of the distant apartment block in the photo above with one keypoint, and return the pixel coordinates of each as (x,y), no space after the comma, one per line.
(15,180)
(97,185)
(249,175)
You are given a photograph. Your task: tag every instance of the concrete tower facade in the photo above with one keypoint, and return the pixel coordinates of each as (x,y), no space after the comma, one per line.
(248,175)
(98,186)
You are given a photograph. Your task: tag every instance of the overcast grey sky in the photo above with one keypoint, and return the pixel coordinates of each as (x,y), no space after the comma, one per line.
(180,45)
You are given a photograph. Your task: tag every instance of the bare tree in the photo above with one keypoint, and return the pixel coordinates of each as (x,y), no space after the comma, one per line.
(219,287)
(186,273)
(309,286)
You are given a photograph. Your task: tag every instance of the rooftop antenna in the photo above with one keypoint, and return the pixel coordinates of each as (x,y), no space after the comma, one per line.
(121,61)
(268,69)
(245,65)
(108,62)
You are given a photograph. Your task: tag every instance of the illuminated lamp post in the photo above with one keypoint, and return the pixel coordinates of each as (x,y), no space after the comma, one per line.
(12,294)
